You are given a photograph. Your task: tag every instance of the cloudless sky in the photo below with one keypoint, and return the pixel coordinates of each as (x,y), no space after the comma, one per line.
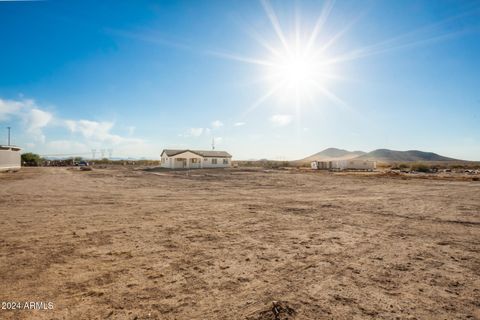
(139,76)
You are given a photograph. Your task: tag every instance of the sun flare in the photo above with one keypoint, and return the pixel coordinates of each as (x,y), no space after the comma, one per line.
(297,68)
(296,75)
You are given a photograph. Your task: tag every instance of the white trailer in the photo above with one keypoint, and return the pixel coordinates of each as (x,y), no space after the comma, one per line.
(353,164)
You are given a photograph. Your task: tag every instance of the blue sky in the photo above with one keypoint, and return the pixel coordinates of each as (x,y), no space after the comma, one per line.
(139,76)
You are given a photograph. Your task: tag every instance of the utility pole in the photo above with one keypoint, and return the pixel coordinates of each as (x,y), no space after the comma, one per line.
(8,135)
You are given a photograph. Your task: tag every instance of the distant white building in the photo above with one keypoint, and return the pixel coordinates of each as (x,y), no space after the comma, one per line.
(352,164)
(195,159)
(10,158)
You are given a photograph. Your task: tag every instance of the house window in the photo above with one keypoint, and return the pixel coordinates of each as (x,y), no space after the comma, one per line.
(214,161)
(194,160)
(225,161)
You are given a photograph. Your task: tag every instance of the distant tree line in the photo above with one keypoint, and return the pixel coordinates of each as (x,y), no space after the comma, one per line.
(34,160)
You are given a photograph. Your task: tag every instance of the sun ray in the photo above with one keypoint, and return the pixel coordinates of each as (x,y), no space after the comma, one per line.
(322,19)
(262,99)
(429,32)
(331,96)
(333,76)
(266,78)
(261,41)
(297,29)
(275,24)
(229,56)
(338,35)
(381,48)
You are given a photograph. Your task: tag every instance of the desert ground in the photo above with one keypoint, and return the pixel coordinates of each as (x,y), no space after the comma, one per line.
(124,243)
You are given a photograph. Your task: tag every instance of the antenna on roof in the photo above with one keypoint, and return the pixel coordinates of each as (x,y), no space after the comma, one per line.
(213,143)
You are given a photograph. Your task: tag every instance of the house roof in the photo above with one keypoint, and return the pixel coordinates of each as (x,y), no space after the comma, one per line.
(14,148)
(202,153)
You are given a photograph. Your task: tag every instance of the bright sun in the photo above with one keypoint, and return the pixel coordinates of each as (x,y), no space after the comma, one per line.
(295,75)
(297,69)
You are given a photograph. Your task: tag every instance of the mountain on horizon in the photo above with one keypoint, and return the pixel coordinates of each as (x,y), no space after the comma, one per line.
(330,154)
(381,155)
(387,155)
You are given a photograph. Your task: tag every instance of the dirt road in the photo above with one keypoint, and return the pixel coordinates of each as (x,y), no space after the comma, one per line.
(225,244)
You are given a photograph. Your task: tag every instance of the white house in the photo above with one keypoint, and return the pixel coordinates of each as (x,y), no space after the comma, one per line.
(195,159)
(10,158)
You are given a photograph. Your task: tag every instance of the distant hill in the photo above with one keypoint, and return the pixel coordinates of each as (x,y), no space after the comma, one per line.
(386,155)
(380,155)
(333,154)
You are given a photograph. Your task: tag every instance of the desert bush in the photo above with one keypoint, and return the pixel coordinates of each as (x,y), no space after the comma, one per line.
(30,159)
(420,167)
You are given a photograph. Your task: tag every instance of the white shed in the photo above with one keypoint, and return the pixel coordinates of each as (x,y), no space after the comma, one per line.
(194,159)
(10,158)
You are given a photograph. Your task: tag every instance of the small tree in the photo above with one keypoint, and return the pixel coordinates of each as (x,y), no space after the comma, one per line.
(31,159)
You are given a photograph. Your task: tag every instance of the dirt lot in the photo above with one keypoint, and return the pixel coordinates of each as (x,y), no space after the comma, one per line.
(129,244)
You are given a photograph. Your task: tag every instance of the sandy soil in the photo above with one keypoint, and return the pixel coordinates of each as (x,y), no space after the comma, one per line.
(129,244)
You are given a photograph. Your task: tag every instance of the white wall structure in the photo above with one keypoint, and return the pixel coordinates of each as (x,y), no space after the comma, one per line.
(10,158)
(194,159)
(319,165)
(352,164)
